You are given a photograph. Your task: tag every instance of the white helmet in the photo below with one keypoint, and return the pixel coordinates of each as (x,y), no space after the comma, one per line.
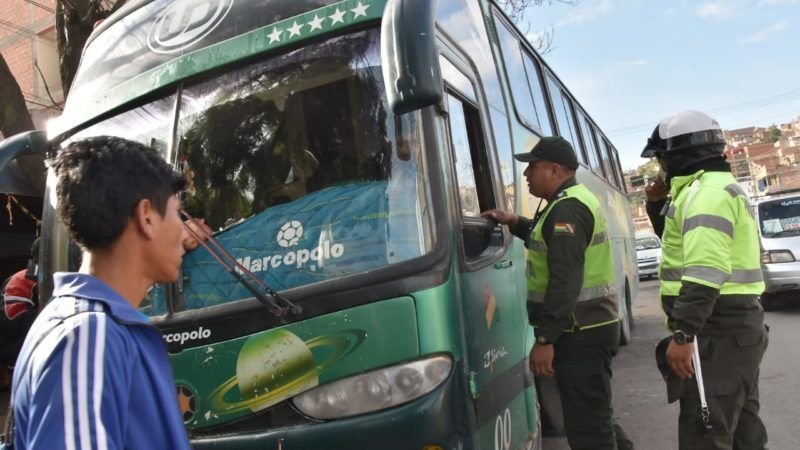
(682,131)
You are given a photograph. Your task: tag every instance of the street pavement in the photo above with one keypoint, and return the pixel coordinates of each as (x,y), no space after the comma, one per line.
(640,403)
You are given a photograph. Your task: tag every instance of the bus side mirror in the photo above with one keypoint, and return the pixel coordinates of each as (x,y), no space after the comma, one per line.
(409,57)
(22,169)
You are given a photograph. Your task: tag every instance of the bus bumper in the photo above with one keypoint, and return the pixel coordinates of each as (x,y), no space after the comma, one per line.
(440,418)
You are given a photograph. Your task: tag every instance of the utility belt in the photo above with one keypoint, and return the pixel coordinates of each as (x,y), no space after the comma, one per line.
(733,314)
(574,336)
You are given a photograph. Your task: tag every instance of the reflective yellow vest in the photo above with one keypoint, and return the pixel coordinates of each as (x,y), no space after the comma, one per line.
(597,301)
(710,237)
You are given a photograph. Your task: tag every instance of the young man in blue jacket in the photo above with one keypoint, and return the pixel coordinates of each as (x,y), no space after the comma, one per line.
(93,373)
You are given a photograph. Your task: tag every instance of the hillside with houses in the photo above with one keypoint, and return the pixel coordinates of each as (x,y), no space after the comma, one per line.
(764,160)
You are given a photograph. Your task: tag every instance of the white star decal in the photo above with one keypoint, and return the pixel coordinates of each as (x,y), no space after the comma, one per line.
(294,30)
(360,10)
(338,16)
(315,24)
(275,36)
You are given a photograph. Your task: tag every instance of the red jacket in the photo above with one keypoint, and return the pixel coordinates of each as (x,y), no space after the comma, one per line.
(19,295)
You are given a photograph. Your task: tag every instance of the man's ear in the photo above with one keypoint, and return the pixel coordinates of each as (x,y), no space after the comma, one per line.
(144,218)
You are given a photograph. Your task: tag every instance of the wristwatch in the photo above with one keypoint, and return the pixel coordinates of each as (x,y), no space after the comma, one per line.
(541,340)
(682,338)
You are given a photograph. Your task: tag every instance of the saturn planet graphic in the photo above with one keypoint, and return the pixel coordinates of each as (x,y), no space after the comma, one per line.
(277,365)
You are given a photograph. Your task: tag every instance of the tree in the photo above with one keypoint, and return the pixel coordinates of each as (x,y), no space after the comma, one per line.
(14,115)
(15,118)
(774,134)
(75,20)
(516,10)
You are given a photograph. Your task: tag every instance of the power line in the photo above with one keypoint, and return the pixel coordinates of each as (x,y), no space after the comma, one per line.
(39,5)
(25,32)
(758,102)
(750,104)
(722,110)
(774,116)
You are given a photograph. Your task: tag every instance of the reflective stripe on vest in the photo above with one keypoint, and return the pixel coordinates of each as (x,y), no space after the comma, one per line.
(713,275)
(597,301)
(592,293)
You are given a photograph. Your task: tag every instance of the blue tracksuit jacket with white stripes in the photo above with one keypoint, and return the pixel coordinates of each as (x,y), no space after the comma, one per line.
(99,380)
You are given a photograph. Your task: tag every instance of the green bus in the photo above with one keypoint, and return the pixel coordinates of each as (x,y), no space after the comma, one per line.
(341,151)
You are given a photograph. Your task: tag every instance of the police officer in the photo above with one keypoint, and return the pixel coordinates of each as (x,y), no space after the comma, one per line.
(572,301)
(710,283)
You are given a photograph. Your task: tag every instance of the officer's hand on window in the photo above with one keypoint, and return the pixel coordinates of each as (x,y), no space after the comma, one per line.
(503,217)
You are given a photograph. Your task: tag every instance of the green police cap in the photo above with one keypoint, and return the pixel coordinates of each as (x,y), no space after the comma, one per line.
(551,148)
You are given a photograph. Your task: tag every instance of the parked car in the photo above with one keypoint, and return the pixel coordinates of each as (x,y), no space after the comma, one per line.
(778,218)
(648,254)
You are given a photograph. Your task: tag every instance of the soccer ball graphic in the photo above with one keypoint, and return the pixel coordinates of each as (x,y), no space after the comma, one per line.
(290,233)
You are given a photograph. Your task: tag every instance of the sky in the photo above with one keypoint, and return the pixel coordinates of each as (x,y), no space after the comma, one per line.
(631,63)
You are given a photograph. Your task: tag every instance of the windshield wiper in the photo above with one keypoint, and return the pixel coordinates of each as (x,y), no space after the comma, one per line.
(783,233)
(237,270)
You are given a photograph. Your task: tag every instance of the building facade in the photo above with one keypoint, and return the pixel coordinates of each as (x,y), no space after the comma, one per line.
(28,45)
(762,166)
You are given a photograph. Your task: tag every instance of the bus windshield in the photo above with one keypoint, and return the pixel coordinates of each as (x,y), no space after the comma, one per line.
(300,171)
(297,166)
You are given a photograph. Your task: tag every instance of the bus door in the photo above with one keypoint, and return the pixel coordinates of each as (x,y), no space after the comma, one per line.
(494,316)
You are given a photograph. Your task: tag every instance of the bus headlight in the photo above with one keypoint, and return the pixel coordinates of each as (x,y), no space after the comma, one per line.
(376,390)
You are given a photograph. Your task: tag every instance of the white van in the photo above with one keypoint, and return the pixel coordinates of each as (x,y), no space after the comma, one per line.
(648,254)
(778,218)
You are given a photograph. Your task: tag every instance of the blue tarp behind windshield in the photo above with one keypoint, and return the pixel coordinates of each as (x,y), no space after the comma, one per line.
(327,234)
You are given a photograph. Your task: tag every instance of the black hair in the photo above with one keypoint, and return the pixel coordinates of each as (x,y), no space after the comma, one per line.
(102,179)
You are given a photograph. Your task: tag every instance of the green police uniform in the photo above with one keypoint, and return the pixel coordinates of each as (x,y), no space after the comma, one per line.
(710,283)
(596,304)
(572,302)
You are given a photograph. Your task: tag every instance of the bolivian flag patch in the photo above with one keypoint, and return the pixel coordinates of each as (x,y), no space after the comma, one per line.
(564,228)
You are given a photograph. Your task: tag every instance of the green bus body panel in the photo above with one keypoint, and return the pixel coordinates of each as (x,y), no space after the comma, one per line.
(235,378)
(439,418)
(217,55)
(436,314)
(495,301)
(510,430)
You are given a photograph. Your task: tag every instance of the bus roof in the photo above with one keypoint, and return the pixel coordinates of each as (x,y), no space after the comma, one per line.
(153,44)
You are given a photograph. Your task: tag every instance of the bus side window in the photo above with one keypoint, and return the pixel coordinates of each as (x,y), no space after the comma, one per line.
(612,163)
(620,173)
(535,81)
(595,161)
(564,117)
(473,176)
(604,150)
(525,98)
